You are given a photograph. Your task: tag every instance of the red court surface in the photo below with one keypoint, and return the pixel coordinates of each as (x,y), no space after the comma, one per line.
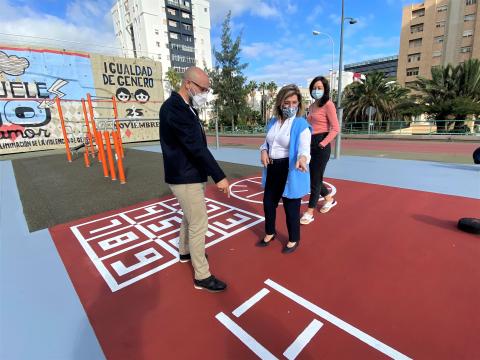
(384,274)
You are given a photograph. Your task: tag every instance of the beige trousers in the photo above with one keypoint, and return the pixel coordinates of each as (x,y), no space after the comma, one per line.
(191,198)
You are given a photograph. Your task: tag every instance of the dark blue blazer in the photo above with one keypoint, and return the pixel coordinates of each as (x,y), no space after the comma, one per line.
(186,157)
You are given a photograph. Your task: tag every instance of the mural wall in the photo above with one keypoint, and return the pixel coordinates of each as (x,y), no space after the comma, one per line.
(32,78)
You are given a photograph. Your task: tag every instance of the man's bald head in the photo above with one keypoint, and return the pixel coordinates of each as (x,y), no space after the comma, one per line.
(196,75)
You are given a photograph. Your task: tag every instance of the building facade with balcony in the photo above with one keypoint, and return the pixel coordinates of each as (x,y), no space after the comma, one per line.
(437,33)
(174,32)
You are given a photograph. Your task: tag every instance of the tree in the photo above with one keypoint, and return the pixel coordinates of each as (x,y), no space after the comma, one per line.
(251,89)
(227,78)
(174,79)
(387,97)
(272,90)
(262,87)
(452,94)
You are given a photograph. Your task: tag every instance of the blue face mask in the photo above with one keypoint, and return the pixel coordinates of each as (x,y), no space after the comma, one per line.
(288,112)
(317,94)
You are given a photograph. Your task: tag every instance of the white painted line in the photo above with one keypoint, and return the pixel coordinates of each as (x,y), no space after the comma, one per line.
(303,339)
(252,195)
(250,302)
(244,337)
(239,183)
(367,339)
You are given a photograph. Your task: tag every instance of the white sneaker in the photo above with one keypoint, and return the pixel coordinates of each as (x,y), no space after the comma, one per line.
(306,219)
(327,206)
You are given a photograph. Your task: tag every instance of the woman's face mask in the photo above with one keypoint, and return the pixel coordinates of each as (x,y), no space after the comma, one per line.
(317,94)
(289,112)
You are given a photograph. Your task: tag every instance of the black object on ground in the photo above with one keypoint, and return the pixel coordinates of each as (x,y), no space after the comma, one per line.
(476,156)
(470,225)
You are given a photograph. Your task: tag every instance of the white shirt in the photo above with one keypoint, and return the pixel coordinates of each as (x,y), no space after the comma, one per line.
(278,140)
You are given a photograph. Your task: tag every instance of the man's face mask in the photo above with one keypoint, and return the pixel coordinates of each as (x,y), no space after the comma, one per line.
(199,99)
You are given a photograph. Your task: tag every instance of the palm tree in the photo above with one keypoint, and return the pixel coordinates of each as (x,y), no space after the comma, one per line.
(251,89)
(452,94)
(262,87)
(272,90)
(387,97)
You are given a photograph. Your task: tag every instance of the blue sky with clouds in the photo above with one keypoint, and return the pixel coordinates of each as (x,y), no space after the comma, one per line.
(277,40)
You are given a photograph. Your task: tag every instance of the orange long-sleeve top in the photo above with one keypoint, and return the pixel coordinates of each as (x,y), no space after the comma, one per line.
(324,119)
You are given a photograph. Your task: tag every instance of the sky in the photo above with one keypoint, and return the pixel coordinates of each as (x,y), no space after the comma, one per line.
(277,41)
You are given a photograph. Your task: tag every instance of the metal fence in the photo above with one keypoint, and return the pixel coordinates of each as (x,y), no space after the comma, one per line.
(434,127)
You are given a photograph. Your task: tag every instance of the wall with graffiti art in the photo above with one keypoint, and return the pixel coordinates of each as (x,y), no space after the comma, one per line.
(31,79)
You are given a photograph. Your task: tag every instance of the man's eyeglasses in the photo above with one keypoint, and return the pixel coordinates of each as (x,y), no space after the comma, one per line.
(202,89)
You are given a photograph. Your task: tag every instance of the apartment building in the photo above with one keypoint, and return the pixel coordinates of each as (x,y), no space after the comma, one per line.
(174,32)
(436,33)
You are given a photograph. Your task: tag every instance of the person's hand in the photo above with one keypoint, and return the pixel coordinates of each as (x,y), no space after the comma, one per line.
(224,186)
(264,158)
(301,164)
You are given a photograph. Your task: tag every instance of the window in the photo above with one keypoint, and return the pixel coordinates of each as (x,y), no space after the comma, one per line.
(438,39)
(412,71)
(416,28)
(468,33)
(436,54)
(182,58)
(187,38)
(187,27)
(180,69)
(159,57)
(414,57)
(185,15)
(415,43)
(470,2)
(158,43)
(469,17)
(173,35)
(440,24)
(172,11)
(172,23)
(418,13)
(205,9)
(466,49)
(157,32)
(442,8)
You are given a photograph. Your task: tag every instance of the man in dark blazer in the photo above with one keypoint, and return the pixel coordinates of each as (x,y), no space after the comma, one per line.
(188,162)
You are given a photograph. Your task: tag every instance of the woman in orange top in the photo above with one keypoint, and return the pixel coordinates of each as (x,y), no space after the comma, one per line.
(322,116)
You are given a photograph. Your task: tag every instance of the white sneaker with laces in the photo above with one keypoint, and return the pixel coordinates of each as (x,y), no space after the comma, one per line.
(306,219)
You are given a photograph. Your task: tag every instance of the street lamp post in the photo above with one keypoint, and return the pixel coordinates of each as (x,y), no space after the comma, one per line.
(339,91)
(333,52)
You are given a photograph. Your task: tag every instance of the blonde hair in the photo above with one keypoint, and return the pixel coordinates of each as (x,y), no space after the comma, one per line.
(284,93)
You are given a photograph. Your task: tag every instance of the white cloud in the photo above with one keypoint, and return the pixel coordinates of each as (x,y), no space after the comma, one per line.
(265,9)
(261,50)
(87,26)
(317,10)
(297,71)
